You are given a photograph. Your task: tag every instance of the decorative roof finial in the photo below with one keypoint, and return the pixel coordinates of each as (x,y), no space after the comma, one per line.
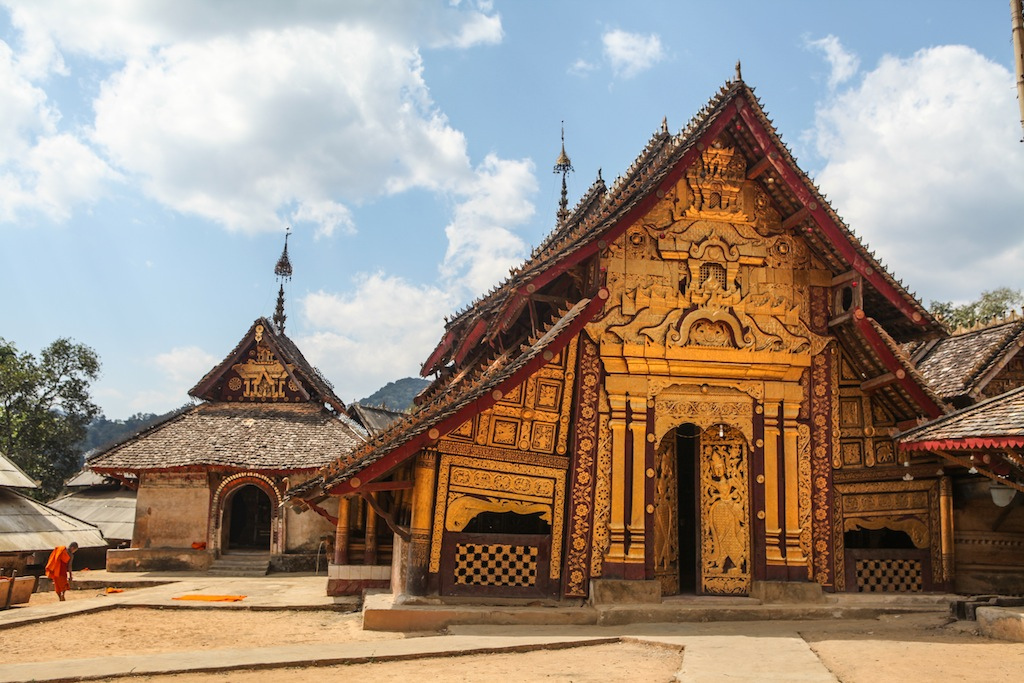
(739,73)
(563,165)
(283,271)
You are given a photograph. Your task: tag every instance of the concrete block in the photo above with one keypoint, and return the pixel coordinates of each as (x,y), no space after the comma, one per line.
(787,592)
(621,592)
(1004,623)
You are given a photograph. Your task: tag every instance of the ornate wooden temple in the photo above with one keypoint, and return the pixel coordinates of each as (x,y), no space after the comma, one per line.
(693,385)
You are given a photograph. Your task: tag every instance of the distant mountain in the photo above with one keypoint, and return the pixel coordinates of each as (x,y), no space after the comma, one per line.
(103,431)
(397,395)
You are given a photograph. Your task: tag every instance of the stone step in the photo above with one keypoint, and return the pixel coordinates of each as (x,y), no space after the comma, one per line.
(240,565)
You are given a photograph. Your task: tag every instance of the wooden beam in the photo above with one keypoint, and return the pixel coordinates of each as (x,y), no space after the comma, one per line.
(402,532)
(759,167)
(385,486)
(794,219)
(845,277)
(882,380)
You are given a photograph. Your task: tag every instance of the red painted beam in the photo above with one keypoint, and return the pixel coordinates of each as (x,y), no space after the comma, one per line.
(430,436)
(435,357)
(816,207)
(893,364)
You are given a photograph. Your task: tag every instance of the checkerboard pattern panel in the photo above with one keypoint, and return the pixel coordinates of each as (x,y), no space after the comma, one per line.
(477,564)
(889,576)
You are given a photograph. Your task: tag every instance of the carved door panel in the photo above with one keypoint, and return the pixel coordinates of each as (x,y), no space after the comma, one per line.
(724,513)
(666,517)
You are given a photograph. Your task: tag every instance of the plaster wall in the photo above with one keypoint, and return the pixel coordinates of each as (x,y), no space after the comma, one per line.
(306,530)
(171,510)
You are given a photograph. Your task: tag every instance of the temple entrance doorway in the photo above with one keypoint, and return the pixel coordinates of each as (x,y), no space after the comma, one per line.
(702,523)
(247,516)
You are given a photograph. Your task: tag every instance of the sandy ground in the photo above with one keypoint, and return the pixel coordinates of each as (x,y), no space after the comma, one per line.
(893,648)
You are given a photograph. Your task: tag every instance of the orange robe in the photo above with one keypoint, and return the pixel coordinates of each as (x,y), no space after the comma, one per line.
(57,568)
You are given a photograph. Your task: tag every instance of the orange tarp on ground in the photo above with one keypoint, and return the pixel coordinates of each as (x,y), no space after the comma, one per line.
(211,598)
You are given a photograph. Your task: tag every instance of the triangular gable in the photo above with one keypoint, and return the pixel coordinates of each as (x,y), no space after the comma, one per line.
(662,164)
(962,366)
(265,366)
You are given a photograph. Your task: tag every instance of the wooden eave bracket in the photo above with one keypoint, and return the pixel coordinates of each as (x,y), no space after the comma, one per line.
(301,505)
(885,380)
(403,532)
(980,468)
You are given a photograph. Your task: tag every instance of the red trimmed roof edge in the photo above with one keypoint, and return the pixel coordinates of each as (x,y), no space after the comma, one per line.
(965,444)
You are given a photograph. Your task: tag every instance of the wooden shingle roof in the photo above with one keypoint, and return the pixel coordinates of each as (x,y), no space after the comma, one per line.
(260,436)
(962,364)
(994,423)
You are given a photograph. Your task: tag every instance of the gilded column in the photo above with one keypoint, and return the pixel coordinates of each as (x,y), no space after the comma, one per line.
(772,521)
(418,553)
(617,522)
(791,439)
(341,536)
(370,540)
(638,509)
(946,529)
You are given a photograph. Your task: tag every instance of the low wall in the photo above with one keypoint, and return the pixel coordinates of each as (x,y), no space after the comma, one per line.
(353,579)
(158,559)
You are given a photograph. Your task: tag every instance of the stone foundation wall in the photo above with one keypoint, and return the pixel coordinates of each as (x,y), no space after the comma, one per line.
(158,559)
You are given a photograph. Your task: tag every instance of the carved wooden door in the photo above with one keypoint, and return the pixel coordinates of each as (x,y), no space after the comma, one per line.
(724,505)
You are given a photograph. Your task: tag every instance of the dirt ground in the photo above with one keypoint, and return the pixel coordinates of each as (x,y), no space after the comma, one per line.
(893,648)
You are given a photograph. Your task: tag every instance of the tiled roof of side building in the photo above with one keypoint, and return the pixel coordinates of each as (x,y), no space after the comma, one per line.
(263,436)
(958,365)
(999,417)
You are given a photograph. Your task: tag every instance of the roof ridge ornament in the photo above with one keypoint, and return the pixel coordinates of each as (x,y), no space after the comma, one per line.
(283,271)
(739,72)
(563,165)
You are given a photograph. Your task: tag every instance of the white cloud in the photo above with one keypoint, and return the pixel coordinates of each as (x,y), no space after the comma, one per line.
(844,64)
(184,365)
(381,330)
(42,170)
(631,53)
(481,244)
(923,161)
(581,67)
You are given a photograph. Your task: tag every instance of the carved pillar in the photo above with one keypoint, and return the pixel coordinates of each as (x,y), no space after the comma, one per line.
(772,520)
(341,535)
(795,557)
(370,547)
(946,529)
(617,522)
(418,555)
(638,487)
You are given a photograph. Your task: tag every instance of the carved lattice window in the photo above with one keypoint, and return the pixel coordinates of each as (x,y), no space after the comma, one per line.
(714,271)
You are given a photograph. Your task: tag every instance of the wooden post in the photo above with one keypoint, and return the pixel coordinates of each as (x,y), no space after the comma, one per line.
(418,555)
(341,535)
(370,544)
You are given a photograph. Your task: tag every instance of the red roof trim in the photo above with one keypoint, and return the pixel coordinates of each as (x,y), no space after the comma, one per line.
(975,443)
(415,444)
(470,340)
(835,235)
(430,364)
(892,363)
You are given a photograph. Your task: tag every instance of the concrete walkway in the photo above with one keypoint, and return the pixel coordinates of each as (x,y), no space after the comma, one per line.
(756,649)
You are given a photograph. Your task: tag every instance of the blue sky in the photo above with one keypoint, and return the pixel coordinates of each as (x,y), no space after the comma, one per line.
(152,153)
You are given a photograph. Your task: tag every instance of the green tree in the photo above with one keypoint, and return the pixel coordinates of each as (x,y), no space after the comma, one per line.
(991,305)
(45,409)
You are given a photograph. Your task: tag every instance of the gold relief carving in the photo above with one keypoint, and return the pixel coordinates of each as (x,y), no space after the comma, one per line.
(724,505)
(514,397)
(916,529)
(501,454)
(235,383)
(837,457)
(263,377)
(680,404)
(463,509)
(548,393)
(884,453)
(666,520)
(602,493)
(804,492)
(440,506)
(849,412)
(463,432)
(707,332)
(851,452)
(821,468)
(581,503)
(505,432)
(543,437)
(715,181)
(838,542)
(461,475)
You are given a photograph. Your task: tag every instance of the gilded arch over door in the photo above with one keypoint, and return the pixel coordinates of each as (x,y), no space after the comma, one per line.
(224,491)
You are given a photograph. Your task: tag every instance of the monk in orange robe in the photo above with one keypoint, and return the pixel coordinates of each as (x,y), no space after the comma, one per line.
(58,568)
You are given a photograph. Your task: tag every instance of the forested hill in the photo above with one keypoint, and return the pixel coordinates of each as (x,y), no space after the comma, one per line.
(397,395)
(103,431)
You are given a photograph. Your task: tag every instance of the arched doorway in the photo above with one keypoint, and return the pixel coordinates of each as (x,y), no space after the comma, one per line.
(248,513)
(702,524)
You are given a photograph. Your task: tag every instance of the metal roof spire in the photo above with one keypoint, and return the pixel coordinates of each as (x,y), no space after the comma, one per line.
(563,165)
(283,271)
